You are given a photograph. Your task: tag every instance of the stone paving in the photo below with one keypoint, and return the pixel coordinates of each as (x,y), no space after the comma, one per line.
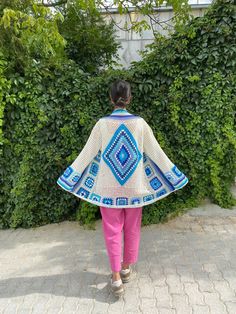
(187,265)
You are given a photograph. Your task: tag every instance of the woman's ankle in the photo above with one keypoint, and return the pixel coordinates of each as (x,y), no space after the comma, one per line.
(125,266)
(115,276)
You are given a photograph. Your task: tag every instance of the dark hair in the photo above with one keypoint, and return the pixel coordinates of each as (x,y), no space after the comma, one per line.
(120,92)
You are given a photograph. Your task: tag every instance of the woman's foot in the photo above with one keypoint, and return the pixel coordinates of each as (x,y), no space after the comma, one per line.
(116,286)
(125,274)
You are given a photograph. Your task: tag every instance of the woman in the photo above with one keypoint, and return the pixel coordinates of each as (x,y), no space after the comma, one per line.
(121,169)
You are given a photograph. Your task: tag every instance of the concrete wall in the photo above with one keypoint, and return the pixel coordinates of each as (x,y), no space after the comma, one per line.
(132,42)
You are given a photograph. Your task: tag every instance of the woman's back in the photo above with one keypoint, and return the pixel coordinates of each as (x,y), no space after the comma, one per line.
(121,152)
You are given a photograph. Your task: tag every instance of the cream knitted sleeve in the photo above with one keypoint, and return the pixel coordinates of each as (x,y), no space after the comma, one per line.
(73,173)
(154,150)
(89,150)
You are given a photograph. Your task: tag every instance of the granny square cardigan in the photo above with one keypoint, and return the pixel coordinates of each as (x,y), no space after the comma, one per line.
(122,165)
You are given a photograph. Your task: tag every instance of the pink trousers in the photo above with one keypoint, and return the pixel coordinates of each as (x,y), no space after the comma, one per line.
(114,221)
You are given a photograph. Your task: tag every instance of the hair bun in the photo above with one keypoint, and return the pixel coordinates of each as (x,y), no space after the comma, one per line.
(120,101)
(121,98)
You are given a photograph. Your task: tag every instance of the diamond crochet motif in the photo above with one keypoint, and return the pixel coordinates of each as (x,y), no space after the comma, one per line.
(122,154)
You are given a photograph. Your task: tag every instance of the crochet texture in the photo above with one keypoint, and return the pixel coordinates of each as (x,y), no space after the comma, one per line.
(122,165)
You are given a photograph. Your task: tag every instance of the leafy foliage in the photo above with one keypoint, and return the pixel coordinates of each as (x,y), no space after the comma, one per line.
(91,41)
(27,38)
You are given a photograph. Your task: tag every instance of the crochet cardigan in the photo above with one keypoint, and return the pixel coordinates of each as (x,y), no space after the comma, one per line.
(122,165)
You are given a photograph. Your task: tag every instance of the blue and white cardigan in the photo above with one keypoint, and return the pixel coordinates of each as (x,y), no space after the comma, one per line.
(122,165)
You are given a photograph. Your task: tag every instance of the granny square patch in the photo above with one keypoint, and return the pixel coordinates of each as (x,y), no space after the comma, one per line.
(148,197)
(155,183)
(176,171)
(83,192)
(121,201)
(135,200)
(148,171)
(94,168)
(122,154)
(89,182)
(107,200)
(75,178)
(98,156)
(68,172)
(169,176)
(69,178)
(95,197)
(161,192)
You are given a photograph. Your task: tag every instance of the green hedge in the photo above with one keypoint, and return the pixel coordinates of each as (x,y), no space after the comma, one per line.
(184,87)
(186,92)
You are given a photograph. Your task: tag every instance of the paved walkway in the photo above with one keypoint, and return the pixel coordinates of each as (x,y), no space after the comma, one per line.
(187,265)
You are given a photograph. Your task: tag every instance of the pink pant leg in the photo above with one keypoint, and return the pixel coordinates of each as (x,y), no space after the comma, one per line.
(112,224)
(132,230)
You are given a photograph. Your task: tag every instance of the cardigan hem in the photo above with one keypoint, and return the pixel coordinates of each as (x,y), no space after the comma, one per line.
(127,205)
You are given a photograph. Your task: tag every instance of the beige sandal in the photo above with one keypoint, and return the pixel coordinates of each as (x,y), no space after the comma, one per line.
(126,276)
(116,290)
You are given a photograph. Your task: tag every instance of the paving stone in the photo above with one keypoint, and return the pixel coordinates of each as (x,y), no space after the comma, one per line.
(185,274)
(132,300)
(116,307)
(163,296)
(205,284)
(181,304)
(147,303)
(54,310)
(210,267)
(99,308)
(146,290)
(214,302)
(223,288)
(231,307)
(201,309)
(167,311)
(194,295)
(174,283)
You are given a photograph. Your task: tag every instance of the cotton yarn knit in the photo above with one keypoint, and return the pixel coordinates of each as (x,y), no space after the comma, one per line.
(122,165)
